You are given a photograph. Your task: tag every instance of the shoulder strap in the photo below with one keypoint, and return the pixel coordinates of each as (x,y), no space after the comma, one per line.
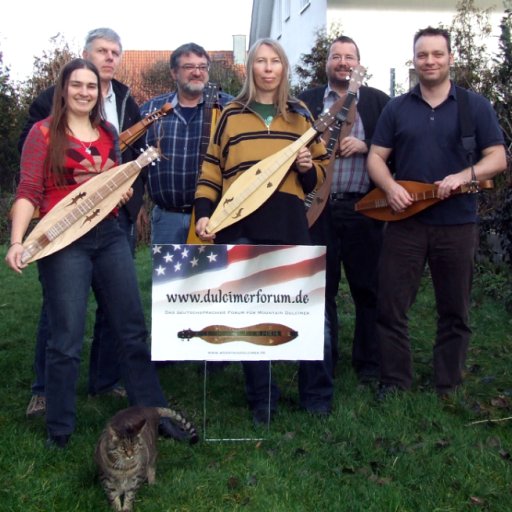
(467,128)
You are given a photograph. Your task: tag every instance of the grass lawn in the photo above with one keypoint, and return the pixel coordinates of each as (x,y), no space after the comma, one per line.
(411,453)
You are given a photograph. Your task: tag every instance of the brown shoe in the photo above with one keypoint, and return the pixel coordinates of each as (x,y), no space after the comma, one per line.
(36,406)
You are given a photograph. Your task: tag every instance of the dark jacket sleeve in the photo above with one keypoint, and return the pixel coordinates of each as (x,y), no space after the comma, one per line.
(129,114)
(314,100)
(40,108)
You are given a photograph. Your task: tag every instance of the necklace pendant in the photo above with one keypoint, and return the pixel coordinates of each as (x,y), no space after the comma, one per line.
(88,151)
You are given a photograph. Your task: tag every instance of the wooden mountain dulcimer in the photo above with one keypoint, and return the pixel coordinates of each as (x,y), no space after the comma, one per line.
(255,185)
(130,135)
(315,201)
(260,334)
(83,208)
(375,204)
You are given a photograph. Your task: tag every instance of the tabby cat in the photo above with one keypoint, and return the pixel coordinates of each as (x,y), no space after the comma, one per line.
(126,451)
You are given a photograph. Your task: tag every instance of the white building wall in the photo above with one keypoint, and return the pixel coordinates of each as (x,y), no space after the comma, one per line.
(384,37)
(297,33)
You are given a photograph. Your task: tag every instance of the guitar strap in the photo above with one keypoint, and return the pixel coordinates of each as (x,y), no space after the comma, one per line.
(467,131)
(211,115)
(320,197)
(209,122)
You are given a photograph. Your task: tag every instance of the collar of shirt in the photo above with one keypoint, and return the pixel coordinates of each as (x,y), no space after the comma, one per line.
(416,91)
(175,101)
(330,96)
(109,102)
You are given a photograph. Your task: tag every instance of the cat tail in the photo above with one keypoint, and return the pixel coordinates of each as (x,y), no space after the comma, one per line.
(180,421)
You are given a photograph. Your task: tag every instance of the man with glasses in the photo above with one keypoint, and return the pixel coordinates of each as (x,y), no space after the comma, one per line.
(182,136)
(352,239)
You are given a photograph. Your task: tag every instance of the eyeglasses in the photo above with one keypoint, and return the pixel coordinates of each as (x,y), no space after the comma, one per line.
(203,68)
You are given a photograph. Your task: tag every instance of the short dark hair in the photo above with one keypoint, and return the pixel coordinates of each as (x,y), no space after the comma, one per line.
(431,31)
(184,49)
(346,39)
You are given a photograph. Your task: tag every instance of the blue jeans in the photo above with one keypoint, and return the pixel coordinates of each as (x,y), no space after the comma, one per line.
(101,259)
(104,371)
(129,228)
(169,227)
(104,368)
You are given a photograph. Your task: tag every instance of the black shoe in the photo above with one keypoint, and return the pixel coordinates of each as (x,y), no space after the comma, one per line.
(168,429)
(367,378)
(322,411)
(262,417)
(57,441)
(386,390)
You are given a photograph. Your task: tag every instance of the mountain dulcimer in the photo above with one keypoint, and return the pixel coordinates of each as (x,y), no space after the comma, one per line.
(375,204)
(83,208)
(260,334)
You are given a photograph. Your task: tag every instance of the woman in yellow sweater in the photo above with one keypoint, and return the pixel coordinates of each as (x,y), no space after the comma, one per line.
(259,122)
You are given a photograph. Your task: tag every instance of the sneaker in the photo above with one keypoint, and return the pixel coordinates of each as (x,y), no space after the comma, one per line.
(36,406)
(119,392)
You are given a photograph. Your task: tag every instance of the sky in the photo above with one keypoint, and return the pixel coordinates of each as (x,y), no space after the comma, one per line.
(27,26)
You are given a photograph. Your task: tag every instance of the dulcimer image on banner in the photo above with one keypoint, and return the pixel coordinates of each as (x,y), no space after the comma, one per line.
(237,302)
(83,208)
(375,205)
(259,334)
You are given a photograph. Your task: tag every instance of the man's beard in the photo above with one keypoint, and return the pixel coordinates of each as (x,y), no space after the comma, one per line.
(342,83)
(193,89)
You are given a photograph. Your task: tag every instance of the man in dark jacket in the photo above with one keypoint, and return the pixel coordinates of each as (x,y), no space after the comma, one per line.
(351,238)
(103,48)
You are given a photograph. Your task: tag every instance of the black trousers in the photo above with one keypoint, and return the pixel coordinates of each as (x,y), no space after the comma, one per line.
(354,241)
(449,252)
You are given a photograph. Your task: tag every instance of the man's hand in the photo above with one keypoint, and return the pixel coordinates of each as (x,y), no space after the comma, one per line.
(351,145)
(398,198)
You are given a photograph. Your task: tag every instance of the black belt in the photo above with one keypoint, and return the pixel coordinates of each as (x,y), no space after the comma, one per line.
(177,209)
(341,196)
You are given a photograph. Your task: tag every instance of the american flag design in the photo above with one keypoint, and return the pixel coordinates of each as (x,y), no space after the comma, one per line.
(195,286)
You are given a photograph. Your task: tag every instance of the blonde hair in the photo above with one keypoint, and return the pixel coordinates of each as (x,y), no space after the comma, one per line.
(248,92)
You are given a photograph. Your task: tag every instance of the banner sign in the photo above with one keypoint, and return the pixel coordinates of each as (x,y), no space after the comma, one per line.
(237,302)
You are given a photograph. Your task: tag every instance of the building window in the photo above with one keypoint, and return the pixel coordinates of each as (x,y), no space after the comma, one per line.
(286,10)
(279,20)
(304,4)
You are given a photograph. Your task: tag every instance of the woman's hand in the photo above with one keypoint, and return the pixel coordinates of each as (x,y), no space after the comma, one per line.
(13,257)
(125,197)
(304,160)
(201,230)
